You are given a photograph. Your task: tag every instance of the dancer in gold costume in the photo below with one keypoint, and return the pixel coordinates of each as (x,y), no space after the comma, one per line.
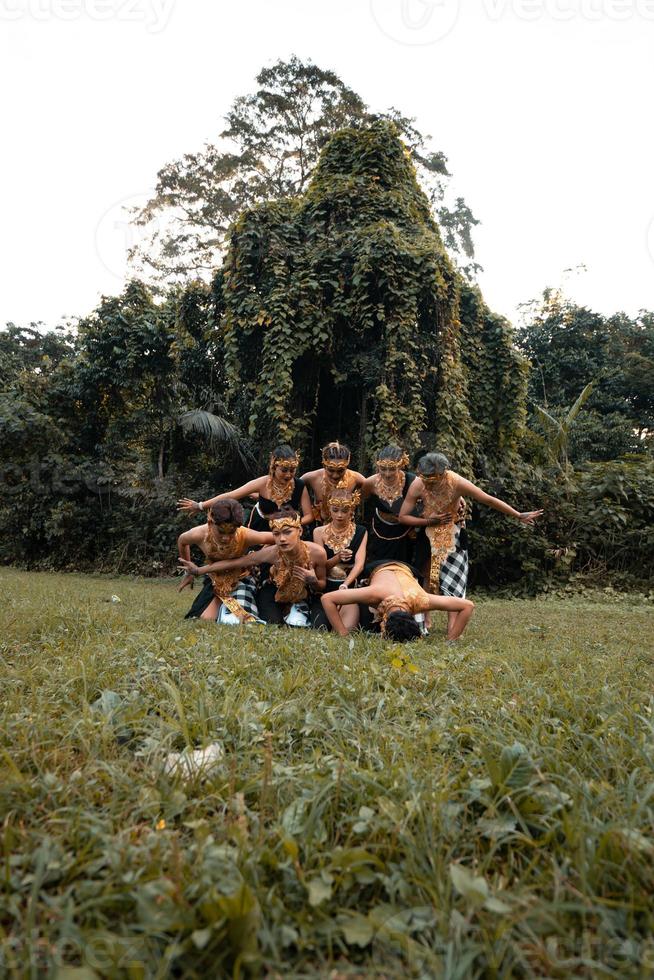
(293,569)
(334,474)
(396,596)
(438,490)
(344,542)
(222,537)
(280,487)
(385,492)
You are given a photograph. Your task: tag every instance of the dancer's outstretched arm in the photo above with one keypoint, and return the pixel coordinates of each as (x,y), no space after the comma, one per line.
(268,554)
(359,564)
(256,539)
(194,536)
(306,508)
(368,486)
(469,489)
(343,597)
(254,486)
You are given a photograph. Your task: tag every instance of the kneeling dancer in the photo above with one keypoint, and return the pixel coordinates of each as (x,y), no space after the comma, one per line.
(345,547)
(396,596)
(292,570)
(222,537)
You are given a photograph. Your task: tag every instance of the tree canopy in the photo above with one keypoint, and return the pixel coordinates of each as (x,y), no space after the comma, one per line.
(343,312)
(267,151)
(570,346)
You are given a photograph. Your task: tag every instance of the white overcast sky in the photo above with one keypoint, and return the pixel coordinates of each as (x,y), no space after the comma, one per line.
(543,107)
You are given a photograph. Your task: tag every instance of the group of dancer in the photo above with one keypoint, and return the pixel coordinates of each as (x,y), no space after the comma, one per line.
(304,559)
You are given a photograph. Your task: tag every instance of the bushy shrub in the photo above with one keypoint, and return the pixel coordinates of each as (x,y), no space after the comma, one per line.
(598,524)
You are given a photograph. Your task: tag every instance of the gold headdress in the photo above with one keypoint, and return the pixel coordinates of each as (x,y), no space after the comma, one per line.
(398,464)
(288,520)
(274,460)
(327,460)
(351,500)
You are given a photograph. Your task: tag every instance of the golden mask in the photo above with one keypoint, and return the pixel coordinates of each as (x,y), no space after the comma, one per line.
(224,528)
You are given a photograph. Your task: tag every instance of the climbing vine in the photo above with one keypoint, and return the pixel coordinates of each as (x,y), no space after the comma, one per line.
(345,316)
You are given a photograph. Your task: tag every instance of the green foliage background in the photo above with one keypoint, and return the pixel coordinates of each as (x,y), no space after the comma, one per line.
(344,314)
(336,313)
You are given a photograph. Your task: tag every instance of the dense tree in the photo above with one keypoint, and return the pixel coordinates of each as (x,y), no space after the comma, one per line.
(268,151)
(345,314)
(570,346)
(337,311)
(98,437)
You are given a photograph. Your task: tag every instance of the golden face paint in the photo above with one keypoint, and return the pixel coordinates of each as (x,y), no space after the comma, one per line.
(432,481)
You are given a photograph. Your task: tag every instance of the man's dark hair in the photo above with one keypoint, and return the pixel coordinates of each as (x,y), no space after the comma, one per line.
(227,511)
(401,627)
(336,451)
(284,452)
(392,452)
(432,464)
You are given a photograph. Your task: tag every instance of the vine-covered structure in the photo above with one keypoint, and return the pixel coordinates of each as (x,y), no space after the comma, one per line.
(343,315)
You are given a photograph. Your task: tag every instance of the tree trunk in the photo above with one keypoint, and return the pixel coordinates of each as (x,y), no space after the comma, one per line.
(363,422)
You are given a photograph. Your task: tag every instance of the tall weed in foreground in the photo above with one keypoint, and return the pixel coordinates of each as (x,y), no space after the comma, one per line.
(480,810)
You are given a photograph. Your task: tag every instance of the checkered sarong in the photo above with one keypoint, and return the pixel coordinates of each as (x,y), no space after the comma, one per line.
(453,579)
(245,595)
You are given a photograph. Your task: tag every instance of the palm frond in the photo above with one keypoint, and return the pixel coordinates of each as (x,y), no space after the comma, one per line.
(576,408)
(558,432)
(218,431)
(550,423)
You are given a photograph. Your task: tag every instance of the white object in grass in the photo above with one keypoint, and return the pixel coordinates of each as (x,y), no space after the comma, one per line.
(194,762)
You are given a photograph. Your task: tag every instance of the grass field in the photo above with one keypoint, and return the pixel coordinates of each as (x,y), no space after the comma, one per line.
(483,809)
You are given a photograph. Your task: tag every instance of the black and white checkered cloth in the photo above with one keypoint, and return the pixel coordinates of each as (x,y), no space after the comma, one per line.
(245,594)
(453,579)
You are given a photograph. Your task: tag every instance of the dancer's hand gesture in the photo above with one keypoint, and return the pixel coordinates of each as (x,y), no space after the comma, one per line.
(192,506)
(439,519)
(307,575)
(186,581)
(529,517)
(189,567)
